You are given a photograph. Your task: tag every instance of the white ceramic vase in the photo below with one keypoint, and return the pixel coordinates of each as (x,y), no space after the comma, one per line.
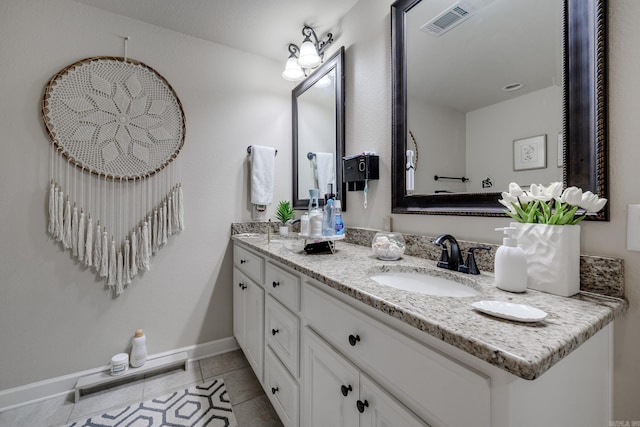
(553,257)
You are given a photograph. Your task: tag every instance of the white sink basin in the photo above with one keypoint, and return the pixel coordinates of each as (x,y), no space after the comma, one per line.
(424,283)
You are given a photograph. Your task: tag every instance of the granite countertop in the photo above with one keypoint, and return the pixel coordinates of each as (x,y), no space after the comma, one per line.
(523,349)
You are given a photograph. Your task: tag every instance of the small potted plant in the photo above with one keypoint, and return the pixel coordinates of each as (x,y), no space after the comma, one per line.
(284,214)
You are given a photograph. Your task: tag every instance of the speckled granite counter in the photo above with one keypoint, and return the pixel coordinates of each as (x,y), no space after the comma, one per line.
(523,349)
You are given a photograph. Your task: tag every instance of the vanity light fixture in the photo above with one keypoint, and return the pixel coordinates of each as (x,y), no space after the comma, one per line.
(308,56)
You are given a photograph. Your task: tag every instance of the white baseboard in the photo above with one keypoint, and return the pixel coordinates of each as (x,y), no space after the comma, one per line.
(41,390)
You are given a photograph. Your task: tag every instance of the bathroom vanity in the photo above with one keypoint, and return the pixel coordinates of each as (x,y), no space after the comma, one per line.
(332,347)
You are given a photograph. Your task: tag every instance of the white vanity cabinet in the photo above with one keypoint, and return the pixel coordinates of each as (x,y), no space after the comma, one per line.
(432,385)
(323,357)
(248,306)
(337,394)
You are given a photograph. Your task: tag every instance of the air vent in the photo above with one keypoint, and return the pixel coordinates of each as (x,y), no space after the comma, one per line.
(450,18)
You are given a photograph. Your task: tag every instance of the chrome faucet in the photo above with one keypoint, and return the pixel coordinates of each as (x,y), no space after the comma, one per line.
(448,260)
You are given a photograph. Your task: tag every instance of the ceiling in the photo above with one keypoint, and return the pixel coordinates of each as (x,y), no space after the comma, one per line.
(262,27)
(506,41)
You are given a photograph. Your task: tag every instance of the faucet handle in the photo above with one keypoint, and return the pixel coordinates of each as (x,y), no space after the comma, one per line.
(470,266)
(444,256)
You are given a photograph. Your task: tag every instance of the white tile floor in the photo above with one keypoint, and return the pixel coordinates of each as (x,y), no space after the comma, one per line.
(250,405)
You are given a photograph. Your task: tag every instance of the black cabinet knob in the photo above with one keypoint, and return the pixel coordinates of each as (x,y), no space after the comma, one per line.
(346,389)
(361,405)
(354,339)
(242,261)
(275,283)
(274,331)
(242,286)
(274,390)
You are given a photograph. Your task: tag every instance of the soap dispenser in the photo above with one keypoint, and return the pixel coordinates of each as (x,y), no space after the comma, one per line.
(510,263)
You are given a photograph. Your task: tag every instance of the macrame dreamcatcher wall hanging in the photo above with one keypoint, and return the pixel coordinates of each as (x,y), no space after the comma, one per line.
(115,196)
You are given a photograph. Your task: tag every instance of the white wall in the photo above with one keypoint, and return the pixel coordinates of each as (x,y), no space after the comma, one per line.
(56,318)
(365,34)
(440,135)
(491,132)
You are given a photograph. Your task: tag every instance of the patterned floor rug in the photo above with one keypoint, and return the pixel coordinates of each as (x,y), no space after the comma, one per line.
(200,405)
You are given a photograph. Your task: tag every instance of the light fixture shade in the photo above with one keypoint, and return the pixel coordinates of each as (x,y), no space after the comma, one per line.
(292,70)
(309,57)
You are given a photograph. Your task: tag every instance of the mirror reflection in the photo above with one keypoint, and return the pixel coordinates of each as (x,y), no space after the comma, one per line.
(523,145)
(317,136)
(318,133)
(484,94)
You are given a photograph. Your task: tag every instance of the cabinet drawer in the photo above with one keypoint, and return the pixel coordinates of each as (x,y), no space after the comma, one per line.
(283,333)
(282,390)
(437,388)
(283,285)
(249,263)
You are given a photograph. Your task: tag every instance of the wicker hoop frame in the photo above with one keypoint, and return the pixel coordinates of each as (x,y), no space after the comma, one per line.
(115,117)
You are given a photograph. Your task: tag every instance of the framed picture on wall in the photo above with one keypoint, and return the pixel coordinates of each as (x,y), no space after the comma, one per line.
(530,153)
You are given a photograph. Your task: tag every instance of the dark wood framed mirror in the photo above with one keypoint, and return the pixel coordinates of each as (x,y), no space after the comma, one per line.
(317,105)
(584,107)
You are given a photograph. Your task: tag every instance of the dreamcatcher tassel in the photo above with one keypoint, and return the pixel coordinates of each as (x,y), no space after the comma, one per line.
(170,215)
(88,247)
(134,254)
(81,226)
(52,210)
(174,213)
(66,240)
(154,233)
(97,248)
(126,272)
(119,268)
(180,208)
(112,268)
(56,232)
(144,247)
(163,224)
(60,235)
(150,236)
(104,258)
(74,232)
(139,249)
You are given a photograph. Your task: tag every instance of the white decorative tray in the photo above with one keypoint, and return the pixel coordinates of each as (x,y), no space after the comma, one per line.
(510,311)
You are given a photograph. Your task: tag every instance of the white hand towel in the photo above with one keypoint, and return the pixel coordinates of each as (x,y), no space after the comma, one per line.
(263,168)
(325,172)
(410,171)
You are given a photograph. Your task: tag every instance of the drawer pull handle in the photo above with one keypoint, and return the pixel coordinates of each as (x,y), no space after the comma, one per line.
(275,283)
(361,405)
(242,286)
(354,339)
(346,389)
(242,261)
(274,331)
(274,390)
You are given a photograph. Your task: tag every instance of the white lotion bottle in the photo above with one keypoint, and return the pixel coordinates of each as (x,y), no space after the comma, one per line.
(510,263)
(138,349)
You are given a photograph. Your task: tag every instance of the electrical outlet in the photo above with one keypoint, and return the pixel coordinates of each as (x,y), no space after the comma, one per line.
(386,223)
(633,228)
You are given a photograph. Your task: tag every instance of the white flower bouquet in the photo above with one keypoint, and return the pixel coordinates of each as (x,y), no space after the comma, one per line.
(550,205)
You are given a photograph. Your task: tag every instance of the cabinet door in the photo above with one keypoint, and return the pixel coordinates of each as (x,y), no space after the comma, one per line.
(248,319)
(381,410)
(330,386)
(238,307)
